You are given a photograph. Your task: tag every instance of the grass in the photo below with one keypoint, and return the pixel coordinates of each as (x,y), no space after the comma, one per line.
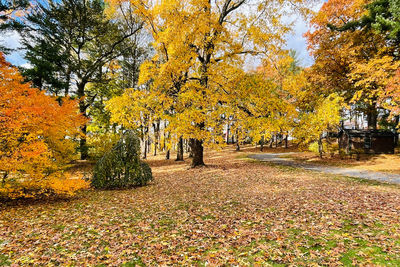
(233,212)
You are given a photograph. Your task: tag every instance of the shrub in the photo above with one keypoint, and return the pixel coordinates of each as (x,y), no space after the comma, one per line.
(313,147)
(330,148)
(121,166)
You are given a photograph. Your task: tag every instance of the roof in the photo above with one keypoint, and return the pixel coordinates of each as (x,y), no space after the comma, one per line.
(367,132)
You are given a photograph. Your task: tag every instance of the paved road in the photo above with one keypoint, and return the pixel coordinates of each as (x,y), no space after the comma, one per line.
(370,175)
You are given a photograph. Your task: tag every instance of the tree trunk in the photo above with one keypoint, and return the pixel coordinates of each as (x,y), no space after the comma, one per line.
(144,147)
(167,155)
(83,144)
(262,144)
(198,152)
(320,150)
(82,108)
(148,144)
(156,127)
(164,142)
(186,145)
(227,134)
(237,146)
(396,138)
(372,117)
(5,175)
(191,141)
(179,155)
(286,140)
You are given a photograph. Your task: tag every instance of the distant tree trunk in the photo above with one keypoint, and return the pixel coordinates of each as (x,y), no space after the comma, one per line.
(320,148)
(82,143)
(167,155)
(272,142)
(286,140)
(186,145)
(262,144)
(144,147)
(148,144)
(237,141)
(5,175)
(227,134)
(191,141)
(372,117)
(156,127)
(179,155)
(276,140)
(164,140)
(396,138)
(198,152)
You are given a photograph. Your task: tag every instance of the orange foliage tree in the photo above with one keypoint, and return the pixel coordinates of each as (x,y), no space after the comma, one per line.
(36,138)
(355,63)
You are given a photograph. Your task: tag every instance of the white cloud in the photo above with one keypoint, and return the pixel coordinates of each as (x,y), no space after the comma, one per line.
(12,40)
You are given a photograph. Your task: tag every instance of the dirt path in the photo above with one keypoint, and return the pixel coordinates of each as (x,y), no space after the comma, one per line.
(278,158)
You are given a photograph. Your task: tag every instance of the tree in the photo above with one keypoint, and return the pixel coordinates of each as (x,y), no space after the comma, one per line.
(200,48)
(75,41)
(325,117)
(353,57)
(342,57)
(383,17)
(136,109)
(36,137)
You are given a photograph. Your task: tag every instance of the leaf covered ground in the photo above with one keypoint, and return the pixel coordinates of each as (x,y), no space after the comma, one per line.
(233,212)
(374,162)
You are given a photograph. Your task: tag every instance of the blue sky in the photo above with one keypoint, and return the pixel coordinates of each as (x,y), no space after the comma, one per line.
(295,41)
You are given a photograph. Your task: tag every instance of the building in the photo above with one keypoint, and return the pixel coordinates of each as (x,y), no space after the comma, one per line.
(367,141)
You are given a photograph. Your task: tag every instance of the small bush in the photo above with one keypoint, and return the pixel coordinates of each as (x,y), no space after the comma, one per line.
(313,147)
(121,166)
(330,148)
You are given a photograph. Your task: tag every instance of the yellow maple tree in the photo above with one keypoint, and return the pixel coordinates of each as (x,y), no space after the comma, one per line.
(200,51)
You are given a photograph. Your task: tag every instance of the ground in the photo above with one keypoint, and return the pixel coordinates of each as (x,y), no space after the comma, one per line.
(234,212)
(375,162)
(298,160)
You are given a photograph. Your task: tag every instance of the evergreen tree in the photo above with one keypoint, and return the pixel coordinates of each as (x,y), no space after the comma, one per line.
(70,43)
